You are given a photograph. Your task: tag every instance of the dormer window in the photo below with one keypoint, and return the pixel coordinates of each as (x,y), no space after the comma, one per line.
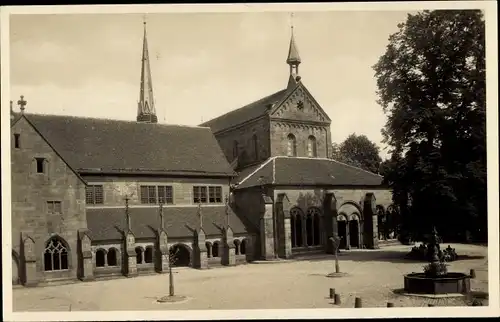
(40,165)
(17,141)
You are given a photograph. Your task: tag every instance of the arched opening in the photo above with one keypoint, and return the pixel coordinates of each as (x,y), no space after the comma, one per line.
(381,220)
(215,249)
(112,257)
(100,258)
(179,255)
(354,230)
(15,269)
(342,229)
(55,256)
(296,218)
(255,143)
(314,231)
(309,229)
(138,254)
(236,246)
(148,254)
(243,247)
(292,145)
(311,147)
(208,245)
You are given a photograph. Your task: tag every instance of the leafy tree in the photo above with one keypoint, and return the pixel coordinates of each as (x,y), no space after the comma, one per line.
(431,85)
(358,151)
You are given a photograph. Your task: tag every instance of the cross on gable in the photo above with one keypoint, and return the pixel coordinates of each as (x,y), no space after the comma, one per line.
(161,216)
(22,103)
(200,214)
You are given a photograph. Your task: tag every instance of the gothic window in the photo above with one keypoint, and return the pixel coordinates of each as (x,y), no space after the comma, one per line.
(41,165)
(243,247)
(215,194)
(236,246)
(296,223)
(292,146)
(54,207)
(311,147)
(17,144)
(148,254)
(315,231)
(56,255)
(138,255)
(100,258)
(208,245)
(215,249)
(235,149)
(112,257)
(94,194)
(255,143)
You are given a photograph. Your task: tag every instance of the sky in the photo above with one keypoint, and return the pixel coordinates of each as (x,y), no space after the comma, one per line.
(203,64)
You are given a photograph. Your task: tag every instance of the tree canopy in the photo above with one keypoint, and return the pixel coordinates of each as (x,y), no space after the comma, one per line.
(358,151)
(431,86)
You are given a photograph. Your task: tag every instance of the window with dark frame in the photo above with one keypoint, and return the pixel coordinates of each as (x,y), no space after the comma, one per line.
(157,194)
(40,165)
(54,207)
(17,142)
(94,195)
(214,194)
(200,194)
(165,195)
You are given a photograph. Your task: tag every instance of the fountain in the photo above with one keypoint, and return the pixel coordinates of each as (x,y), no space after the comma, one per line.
(436,279)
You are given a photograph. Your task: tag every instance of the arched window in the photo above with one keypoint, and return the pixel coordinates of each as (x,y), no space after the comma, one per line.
(243,247)
(236,246)
(100,258)
(255,143)
(208,245)
(311,147)
(296,218)
(138,255)
(215,249)
(112,257)
(315,215)
(55,255)
(292,146)
(148,254)
(235,149)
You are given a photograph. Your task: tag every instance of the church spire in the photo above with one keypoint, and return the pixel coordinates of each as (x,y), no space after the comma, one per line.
(146,111)
(293,60)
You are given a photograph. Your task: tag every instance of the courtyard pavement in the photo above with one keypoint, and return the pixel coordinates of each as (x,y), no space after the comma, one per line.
(373,276)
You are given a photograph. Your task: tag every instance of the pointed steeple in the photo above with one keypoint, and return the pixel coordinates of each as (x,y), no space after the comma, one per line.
(146,111)
(293,60)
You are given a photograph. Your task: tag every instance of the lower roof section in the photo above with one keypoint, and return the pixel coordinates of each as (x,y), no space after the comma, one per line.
(296,171)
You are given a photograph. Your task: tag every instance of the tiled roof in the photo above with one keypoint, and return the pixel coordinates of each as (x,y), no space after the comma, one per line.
(112,146)
(245,113)
(292,171)
(106,223)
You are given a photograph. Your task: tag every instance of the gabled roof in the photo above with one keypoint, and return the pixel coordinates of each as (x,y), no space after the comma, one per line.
(179,222)
(296,171)
(93,145)
(246,113)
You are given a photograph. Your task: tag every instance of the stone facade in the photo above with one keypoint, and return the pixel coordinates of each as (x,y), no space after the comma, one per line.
(48,204)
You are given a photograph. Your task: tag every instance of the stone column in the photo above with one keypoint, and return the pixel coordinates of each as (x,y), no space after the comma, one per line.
(370,229)
(283,207)
(347,235)
(228,248)
(162,262)
(85,265)
(28,257)
(130,256)
(267,229)
(330,220)
(200,260)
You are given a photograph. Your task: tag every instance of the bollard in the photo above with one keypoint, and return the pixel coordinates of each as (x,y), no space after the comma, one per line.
(430,305)
(390,304)
(357,302)
(332,293)
(472,273)
(337,301)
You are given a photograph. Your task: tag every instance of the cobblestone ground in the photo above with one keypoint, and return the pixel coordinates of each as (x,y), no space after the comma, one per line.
(373,276)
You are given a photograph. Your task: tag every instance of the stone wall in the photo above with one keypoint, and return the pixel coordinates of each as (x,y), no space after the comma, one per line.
(115,188)
(279,138)
(30,193)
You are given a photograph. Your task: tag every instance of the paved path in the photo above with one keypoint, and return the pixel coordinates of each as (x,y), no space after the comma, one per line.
(373,275)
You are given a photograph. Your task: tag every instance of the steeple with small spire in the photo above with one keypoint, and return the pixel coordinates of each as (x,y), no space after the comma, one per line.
(293,59)
(146,111)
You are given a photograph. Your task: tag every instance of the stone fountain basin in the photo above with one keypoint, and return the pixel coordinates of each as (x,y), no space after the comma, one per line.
(451,283)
